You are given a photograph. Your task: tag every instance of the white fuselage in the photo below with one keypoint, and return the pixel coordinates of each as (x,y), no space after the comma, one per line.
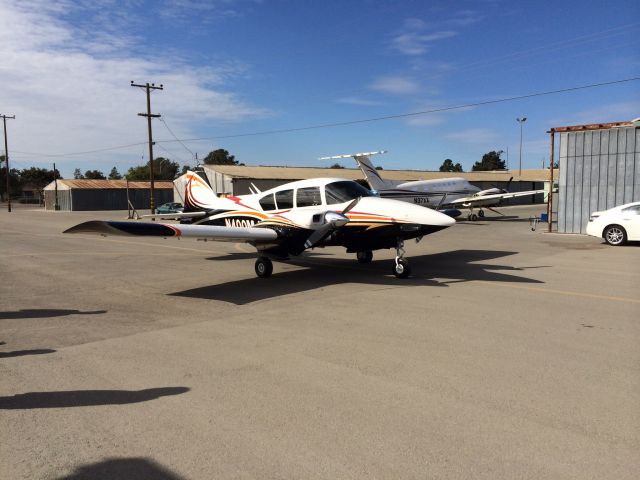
(431,193)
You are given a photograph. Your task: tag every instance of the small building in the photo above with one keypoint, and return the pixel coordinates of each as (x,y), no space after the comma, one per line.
(599,169)
(237,180)
(83,194)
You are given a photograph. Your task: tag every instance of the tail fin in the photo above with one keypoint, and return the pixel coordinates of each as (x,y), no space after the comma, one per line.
(375,181)
(198,195)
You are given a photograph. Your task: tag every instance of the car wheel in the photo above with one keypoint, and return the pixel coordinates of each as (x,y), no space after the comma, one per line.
(615,235)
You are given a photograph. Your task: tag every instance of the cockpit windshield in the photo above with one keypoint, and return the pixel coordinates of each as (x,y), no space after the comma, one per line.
(344,191)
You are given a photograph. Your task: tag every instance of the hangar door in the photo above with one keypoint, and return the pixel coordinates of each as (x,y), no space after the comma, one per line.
(599,169)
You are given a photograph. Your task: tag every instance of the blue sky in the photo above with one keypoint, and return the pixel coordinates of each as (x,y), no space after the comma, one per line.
(241,66)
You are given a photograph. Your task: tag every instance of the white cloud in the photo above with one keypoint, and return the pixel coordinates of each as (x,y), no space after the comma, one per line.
(416,43)
(395,85)
(70,89)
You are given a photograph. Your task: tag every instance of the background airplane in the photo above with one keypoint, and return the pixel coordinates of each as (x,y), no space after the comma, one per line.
(444,194)
(291,218)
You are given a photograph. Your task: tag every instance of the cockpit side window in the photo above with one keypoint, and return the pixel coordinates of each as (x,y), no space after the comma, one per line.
(284,199)
(308,197)
(344,191)
(268,203)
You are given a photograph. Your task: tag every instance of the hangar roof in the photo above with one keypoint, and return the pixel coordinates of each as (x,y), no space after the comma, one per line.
(85,184)
(298,173)
(594,126)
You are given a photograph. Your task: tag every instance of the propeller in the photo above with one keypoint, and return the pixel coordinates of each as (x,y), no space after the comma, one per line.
(332,221)
(506,190)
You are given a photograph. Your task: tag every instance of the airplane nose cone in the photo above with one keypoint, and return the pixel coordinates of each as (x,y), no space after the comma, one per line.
(406,212)
(425,216)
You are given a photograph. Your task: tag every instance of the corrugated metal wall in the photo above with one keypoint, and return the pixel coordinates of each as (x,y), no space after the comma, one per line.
(599,169)
(64,199)
(116,199)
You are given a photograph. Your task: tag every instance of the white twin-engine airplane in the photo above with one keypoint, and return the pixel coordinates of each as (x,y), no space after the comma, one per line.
(441,194)
(291,218)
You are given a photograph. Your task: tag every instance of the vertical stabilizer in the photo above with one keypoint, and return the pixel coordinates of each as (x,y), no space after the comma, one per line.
(371,175)
(198,195)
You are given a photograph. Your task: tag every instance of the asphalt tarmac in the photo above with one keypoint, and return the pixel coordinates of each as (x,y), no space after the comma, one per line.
(510,353)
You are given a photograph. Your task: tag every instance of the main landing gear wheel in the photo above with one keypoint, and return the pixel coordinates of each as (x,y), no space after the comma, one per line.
(472,217)
(401,268)
(481,213)
(365,257)
(264,267)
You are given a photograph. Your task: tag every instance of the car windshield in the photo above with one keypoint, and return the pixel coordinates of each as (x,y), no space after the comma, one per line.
(343,191)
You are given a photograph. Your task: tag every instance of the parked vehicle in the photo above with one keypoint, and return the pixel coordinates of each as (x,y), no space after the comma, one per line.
(616,225)
(171,207)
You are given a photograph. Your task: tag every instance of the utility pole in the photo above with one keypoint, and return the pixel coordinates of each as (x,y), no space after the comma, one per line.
(56,206)
(520,121)
(148,87)
(6,157)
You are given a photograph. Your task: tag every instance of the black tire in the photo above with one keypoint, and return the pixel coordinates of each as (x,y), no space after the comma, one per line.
(365,256)
(263,267)
(474,217)
(615,235)
(401,269)
(481,213)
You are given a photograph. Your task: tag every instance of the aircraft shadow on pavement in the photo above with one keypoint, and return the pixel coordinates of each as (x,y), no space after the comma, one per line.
(45,313)
(85,398)
(22,353)
(457,266)
(122,469)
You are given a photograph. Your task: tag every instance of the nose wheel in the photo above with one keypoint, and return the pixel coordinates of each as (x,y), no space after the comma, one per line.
(264,267)
(401,268)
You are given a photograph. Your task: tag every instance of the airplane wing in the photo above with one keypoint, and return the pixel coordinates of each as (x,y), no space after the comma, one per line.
(169,216)
(495,196)
(210,232)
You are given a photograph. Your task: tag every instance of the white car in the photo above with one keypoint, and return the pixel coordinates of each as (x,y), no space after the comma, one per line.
(616,225)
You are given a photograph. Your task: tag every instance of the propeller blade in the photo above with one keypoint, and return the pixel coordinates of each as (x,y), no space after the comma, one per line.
(506,190)
(318,235)
(353,203)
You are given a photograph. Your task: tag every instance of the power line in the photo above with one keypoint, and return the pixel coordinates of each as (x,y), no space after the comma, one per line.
(345,123)
(99,150)
(411,114)
(177,139)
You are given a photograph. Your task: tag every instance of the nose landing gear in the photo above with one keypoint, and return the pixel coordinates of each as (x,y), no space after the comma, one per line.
(401,268)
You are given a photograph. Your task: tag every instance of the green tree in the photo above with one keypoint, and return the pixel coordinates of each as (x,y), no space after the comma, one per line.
(37,178)
(220,157)
(114,174)
(490,161)
(336,165)
(448,166)
(163,169)
(379,168)
(94,175)
(77,174)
